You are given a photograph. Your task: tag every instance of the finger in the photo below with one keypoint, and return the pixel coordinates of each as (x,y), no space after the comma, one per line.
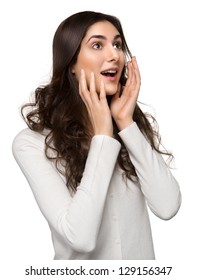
(102,92)
(134,75)
(129,83)
(136,69)
(133,83)
(83,89)
(93,93)
(83,80)
(134,62)
(92,82)
(130,73)
(137,79)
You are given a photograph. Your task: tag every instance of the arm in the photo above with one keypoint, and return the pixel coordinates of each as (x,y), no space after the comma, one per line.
(76,219)
(158,185)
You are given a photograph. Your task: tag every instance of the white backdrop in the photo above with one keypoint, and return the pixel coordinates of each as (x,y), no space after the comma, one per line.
(162,35)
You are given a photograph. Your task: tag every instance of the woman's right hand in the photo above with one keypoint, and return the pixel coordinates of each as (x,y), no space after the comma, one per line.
(97,106)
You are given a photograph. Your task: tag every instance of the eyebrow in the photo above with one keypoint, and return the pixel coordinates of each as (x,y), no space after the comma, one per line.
(102,37)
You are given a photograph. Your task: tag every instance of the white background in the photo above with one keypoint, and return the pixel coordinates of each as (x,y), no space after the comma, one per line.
(162,35)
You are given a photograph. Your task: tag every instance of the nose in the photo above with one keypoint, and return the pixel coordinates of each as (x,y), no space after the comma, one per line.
(112,54)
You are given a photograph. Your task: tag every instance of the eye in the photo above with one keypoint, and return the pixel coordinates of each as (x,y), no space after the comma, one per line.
(118,45)
(97,46)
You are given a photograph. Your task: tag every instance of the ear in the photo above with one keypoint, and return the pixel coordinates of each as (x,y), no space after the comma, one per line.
(73,70)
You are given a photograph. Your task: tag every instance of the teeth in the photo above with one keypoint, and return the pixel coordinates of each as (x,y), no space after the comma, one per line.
(109,71)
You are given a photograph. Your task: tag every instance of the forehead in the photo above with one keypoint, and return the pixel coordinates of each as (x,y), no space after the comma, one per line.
(104,28)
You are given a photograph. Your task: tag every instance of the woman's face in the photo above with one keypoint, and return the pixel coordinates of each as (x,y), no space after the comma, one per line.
(101,53)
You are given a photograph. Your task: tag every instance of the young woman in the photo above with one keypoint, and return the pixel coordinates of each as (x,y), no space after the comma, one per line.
(90,154)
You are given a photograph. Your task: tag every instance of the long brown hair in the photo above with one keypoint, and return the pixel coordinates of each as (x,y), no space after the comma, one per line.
(58,106)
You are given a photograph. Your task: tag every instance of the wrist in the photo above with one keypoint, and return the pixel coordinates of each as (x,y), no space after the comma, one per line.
(104,132)
(124,123)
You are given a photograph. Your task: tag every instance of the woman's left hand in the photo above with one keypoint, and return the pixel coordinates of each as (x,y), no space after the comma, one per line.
(122,107)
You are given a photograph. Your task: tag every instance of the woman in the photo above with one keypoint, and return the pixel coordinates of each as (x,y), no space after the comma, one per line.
(90,154)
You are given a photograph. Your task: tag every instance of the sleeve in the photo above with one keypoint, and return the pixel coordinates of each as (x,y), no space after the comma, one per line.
(158,185)
(76,218)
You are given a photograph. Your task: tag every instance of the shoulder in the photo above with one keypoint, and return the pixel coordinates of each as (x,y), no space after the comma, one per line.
(27,140)
(27,136)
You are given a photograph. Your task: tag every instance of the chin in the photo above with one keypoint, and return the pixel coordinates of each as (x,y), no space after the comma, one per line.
(111,90)
(110,93)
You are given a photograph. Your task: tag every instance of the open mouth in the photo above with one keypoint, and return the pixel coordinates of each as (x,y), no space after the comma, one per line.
(109,73)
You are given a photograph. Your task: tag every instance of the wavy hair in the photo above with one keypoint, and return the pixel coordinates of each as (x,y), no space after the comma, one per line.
(58,107)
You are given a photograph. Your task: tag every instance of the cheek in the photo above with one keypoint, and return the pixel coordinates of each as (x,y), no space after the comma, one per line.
(90,61)
(123,62)
(86,66)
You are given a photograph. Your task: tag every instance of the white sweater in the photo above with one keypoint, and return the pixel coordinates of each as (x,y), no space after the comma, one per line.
(107,217)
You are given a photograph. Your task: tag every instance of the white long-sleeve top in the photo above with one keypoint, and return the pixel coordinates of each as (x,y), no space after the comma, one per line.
(107,217)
